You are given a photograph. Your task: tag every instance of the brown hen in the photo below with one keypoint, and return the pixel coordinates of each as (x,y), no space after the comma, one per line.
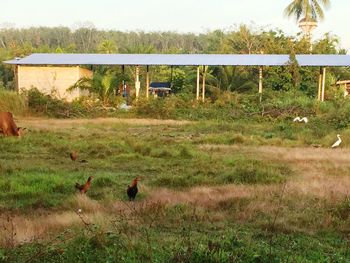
(84,187)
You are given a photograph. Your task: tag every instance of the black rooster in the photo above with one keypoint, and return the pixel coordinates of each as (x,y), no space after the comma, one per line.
(132,189)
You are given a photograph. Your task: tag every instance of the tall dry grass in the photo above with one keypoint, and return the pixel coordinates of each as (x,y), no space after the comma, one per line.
(13,102)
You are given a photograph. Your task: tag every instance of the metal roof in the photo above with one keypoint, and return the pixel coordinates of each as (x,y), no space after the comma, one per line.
(180,59)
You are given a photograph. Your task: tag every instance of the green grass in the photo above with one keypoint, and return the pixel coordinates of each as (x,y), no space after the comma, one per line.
(37,177)
(38,167)
(180,234)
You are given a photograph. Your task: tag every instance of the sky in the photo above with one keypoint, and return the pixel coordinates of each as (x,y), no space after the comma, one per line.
(195,16)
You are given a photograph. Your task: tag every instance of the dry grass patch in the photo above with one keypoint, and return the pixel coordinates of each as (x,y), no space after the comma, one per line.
(53,124)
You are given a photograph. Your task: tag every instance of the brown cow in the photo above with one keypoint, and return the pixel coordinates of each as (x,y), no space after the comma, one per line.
(8,126)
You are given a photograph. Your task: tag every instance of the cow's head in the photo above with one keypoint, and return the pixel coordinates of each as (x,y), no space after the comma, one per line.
(20,131)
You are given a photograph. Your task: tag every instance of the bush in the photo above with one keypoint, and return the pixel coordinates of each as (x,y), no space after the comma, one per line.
(42,104)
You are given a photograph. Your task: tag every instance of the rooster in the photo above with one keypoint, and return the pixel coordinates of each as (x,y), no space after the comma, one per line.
(132,189)
(84,187)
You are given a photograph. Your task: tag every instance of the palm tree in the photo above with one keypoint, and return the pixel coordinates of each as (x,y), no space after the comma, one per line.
(307,13)
(309,9)
(107,46)
(102,85)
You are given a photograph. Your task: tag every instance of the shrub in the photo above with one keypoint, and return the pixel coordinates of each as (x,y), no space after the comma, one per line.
(42,104)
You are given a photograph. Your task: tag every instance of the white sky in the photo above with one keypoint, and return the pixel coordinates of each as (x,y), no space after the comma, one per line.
(165,15)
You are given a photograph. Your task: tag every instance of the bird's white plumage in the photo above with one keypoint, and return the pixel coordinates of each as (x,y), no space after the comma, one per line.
(305,119)
(337,143)
(298,119)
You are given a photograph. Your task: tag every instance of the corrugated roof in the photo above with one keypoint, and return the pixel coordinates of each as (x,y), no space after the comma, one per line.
(180,59)
(324,60)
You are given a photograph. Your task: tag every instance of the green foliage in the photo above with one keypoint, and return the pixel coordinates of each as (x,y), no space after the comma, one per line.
(339,115)
(107,46)
(293,67)
(240,40)
(103,85)
(46,105)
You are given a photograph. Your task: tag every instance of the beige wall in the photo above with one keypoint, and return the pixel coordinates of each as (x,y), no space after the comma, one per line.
(52,80)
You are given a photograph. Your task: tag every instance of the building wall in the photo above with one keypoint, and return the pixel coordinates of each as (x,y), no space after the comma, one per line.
(52,80)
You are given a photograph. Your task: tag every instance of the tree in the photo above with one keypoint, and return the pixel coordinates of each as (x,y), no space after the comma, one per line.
(107,46)
(242,41)
(103,85)
(309,9)
(293,67)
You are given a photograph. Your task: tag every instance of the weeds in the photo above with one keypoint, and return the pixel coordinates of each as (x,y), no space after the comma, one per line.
(12,102)
(8,233)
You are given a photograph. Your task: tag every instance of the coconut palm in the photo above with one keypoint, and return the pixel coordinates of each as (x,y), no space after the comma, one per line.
(107,46)
(307,9)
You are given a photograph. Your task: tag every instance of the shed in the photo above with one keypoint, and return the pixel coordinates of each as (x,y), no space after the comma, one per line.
(160,89)
(345,84)
(53,80)
(198,60)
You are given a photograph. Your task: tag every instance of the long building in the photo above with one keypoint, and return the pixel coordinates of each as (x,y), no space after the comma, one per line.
(55,73)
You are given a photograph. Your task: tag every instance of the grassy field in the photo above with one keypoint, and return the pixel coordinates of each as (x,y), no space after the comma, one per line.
(243,191)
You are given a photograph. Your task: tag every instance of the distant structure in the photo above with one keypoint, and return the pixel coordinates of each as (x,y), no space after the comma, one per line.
(307,25)
(54,73)
(52,80)
(160,89)
(345,86)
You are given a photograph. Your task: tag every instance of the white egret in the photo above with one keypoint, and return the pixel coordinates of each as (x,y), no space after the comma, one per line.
(298,119)
(337,143)
(305,119)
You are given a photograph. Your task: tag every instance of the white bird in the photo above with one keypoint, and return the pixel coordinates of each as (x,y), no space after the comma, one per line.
(298,119)
(305,119)
(337,143)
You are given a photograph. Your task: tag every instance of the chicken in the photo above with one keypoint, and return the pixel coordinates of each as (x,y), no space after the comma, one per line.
(73,156)
(84,187)
(132,189)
